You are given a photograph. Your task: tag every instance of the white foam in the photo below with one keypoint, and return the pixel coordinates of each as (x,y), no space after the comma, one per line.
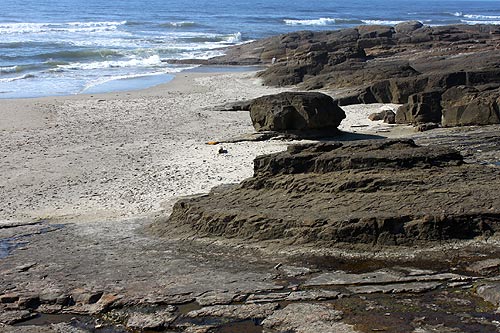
(480,22)
(109,43)
(100,81)
(153,60)
(234,38)
(381,22)
(22,77)
(179,24)
(321,21)
(28,28)
(482,17)
(8,69)
(201,54)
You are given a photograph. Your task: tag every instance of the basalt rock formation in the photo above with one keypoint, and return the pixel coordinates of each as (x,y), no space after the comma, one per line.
(377,192)
(295,111)
(408,64)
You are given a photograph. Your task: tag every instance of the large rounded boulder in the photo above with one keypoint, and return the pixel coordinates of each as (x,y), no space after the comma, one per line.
(295,111)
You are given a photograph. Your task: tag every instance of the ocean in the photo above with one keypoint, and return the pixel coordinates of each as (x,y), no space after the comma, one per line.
(63,47)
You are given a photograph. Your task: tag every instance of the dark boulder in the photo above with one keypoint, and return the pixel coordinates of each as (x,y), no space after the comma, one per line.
(235,106)
(376,116)
(295,111)
(426,127)
(388,116)
(375,31)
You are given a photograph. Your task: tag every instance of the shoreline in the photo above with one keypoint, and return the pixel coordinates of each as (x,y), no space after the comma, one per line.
(126,85)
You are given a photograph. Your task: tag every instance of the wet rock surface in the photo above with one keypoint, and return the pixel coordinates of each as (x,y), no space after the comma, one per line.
(205,286)
(305,317)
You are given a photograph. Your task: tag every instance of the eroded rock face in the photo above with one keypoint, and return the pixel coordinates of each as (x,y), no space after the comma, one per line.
(385,192)
(464,105)
(292,111)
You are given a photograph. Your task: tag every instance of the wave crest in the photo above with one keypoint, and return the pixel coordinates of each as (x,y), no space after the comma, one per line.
(234,38)
(153,60)
(323,21)
(28,28)
(381,22)
(482,17)
(17,78)
(79,54)
(472,22)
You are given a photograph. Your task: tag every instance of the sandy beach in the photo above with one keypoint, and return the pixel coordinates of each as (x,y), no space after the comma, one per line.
(131,153)
(127,153)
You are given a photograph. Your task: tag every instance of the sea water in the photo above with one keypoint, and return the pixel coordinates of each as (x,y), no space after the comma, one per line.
(61,47)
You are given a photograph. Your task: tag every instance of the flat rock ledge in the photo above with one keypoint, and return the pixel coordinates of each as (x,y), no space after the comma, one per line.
(372,192)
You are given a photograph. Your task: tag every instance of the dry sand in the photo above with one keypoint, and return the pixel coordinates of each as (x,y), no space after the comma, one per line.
(130,153)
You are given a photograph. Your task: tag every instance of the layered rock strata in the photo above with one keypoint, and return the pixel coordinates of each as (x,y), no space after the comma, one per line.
(379,192)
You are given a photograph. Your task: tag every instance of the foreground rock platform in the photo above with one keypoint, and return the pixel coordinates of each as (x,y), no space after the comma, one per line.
(373,192)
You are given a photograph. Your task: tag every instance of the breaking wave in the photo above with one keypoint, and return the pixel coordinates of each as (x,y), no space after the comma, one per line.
(381,22)
(20,68)
(151,61)
(72,27)
(326,21)
(79,54)
(481,22)
(321,21)
(482,17)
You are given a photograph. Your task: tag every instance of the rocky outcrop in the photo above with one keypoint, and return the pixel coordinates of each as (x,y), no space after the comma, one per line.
(366,54)
(409,63)
(384,192)
(295,111)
